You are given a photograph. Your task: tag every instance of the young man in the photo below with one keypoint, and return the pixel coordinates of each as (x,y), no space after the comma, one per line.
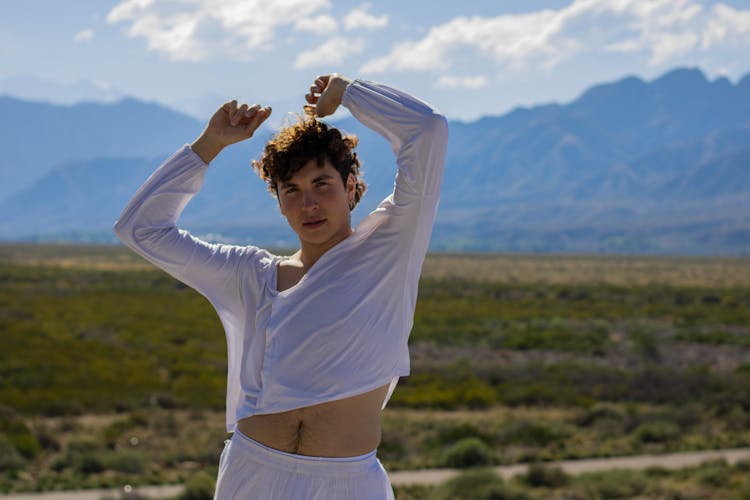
(318,340)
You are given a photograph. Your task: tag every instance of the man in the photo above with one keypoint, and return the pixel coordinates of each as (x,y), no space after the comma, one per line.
(316,340)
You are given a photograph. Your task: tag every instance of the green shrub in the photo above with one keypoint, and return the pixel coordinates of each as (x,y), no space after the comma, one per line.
(138,418)
(46,438)
(26,444)
(451,433)
(546,476)
(468,452)
(129,461)
(743,465)
(532,433)
(645,344)
(16,432)
(656,432)
(87,462)
(113,432)
(10,459)
(84,456)
(610,484)
(599,412)
(391,446)
(199,487)
(478,484)
(414,492)
(715,473)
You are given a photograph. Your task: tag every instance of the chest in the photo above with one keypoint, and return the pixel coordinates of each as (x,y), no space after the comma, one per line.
(288,276)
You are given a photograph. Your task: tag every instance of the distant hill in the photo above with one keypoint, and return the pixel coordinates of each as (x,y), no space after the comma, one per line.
(36,137)
(629,166)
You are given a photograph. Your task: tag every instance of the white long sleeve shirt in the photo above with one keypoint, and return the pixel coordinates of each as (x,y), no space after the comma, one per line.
(343,328)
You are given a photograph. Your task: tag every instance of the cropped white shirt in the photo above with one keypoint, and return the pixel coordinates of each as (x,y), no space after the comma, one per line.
(343,328)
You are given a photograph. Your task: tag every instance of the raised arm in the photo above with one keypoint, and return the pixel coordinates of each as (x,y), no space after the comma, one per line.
(416,131)
(418,135)
(147,224)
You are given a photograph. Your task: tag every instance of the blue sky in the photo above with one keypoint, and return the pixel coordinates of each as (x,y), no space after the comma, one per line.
(469,58)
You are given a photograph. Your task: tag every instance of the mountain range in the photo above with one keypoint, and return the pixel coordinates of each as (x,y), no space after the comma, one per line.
(629,166)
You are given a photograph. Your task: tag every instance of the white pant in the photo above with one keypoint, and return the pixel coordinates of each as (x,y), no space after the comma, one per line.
(251,470)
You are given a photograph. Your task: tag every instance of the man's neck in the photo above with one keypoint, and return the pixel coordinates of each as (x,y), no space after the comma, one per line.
(309,253)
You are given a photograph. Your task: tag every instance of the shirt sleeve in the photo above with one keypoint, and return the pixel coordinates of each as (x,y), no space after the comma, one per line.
(147,225)
(418,135)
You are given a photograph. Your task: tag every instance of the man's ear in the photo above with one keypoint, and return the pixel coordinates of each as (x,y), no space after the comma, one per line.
(351,183)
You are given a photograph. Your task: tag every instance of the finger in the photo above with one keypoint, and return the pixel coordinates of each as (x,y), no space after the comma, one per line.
(232,111)
(311,98)
(244,113)
(238,114)
(248,112)
(259,117)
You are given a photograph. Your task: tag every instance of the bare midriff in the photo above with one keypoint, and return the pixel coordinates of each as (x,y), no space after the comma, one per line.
(346,427)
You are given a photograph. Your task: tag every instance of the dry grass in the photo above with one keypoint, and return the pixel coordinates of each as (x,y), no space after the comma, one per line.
(724,272)
(590,269)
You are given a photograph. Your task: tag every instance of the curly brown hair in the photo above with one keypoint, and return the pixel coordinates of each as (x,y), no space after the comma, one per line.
(289,150)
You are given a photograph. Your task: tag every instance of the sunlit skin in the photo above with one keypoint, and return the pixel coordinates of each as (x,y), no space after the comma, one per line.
(316,203)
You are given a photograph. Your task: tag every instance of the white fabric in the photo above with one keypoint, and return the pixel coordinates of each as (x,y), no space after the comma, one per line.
(343,329)
(249,469)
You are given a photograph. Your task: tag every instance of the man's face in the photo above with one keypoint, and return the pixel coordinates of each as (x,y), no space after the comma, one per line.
(316,203)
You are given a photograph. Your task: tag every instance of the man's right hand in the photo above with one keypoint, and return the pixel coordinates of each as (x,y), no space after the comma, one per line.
(230,124)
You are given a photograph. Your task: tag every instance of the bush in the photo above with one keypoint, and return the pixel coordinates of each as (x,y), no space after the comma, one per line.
(656,432)
(715,473)
(414,492)
(645,345)
(545,476)
(16,432)
(26,444)
(47,439)
(611,484)
(129,461)
(10,459)
(87,462)
(451,433)
(533,433)
(468,452)
(84,456)
(138,418)
(478,484)
(599,412)
(391,446)
(199,487)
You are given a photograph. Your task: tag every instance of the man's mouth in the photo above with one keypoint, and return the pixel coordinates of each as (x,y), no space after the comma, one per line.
(313,224)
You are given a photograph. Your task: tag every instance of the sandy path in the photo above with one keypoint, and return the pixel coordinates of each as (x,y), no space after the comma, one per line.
(668,461)
(436,476)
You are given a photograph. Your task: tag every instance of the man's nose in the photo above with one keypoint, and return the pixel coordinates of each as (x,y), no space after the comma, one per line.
(309,200)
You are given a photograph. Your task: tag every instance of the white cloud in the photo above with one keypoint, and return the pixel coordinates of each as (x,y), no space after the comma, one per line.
(360,18)
(468,82)
(727,26)
(330,53)
(662,31)
(193,30)
(84,36)
(321,25)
